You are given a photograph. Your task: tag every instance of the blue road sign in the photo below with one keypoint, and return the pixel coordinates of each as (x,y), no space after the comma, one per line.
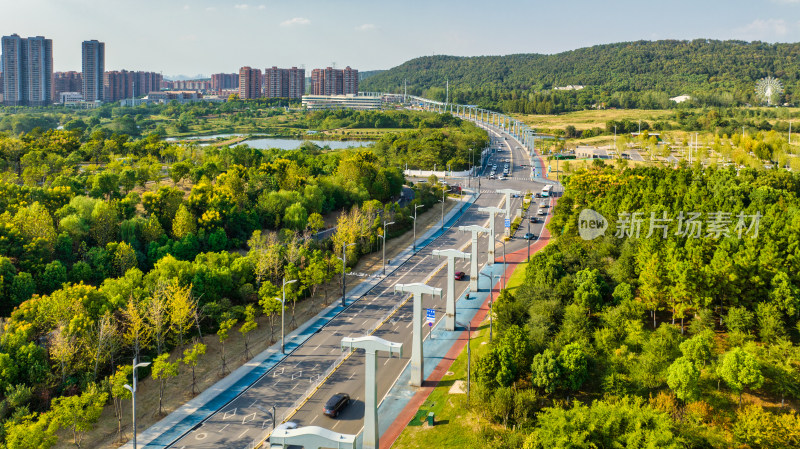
(508,222)
(430,316)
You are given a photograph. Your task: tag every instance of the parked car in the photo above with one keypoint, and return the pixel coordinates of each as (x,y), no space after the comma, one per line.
(459,275)
(336,404)
(529,236)
(534,219)
(542,212)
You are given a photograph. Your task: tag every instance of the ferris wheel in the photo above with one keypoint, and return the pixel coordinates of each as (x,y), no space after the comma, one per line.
(769,89)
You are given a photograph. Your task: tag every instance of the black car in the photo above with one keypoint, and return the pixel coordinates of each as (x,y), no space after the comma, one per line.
(335,404)
(534,219)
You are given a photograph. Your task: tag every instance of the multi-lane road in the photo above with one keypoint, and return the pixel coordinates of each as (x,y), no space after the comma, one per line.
(380,312)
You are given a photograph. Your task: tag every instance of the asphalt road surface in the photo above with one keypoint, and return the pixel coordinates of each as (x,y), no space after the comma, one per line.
(247,417)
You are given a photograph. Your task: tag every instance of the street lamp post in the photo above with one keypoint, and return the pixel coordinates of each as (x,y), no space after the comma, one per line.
(469,354)
(443,192)
(384,244)
(491,300)
(504,263)
(416,206)
(344,270)
(283,313)
(133,389)
(529,228)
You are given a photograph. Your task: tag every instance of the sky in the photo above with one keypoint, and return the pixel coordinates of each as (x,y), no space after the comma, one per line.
(201,37)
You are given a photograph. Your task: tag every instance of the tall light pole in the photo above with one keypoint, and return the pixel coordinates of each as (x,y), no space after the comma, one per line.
(443,192)
(344,270)
(529,227)
(133,389)
(469,354)
(416,206)
(384,244)
(504,263)
(491,300)
(283,313)
(472,164)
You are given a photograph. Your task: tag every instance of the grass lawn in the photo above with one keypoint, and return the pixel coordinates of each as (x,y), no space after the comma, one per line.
(456,426)
(582,120)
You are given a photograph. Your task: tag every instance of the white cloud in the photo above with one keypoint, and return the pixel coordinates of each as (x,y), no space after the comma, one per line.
(295,21)
(761,28)
(186,7)
(262,7)
(366,27)
(242,6)
(211,9)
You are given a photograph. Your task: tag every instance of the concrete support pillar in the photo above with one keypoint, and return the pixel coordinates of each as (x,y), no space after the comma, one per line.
(473,268)
(450,308)
(371,345)
(508,193)
(493,211)
(417,289)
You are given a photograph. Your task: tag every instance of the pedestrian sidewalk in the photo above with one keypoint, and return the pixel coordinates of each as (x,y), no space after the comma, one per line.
(195,411)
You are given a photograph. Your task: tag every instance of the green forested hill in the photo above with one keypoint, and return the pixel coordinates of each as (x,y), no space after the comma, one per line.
(627,74)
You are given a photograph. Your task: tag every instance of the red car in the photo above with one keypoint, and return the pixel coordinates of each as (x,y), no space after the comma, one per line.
(459,275)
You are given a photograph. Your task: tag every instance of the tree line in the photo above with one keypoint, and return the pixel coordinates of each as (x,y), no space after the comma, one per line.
(666,340)
(641,74)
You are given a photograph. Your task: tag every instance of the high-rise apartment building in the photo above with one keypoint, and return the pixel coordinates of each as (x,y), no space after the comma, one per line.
(28,67)
(223,81)
(330,81)
(119,85)
(317,81)
(14,77)
(284,83)
(333,82)
(93,69)
(249,83)
(350,81)
(297,82)
(66,82)
(276,83)
(40,71)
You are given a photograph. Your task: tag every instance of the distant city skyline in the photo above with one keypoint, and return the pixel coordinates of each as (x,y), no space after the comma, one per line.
(204,37)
